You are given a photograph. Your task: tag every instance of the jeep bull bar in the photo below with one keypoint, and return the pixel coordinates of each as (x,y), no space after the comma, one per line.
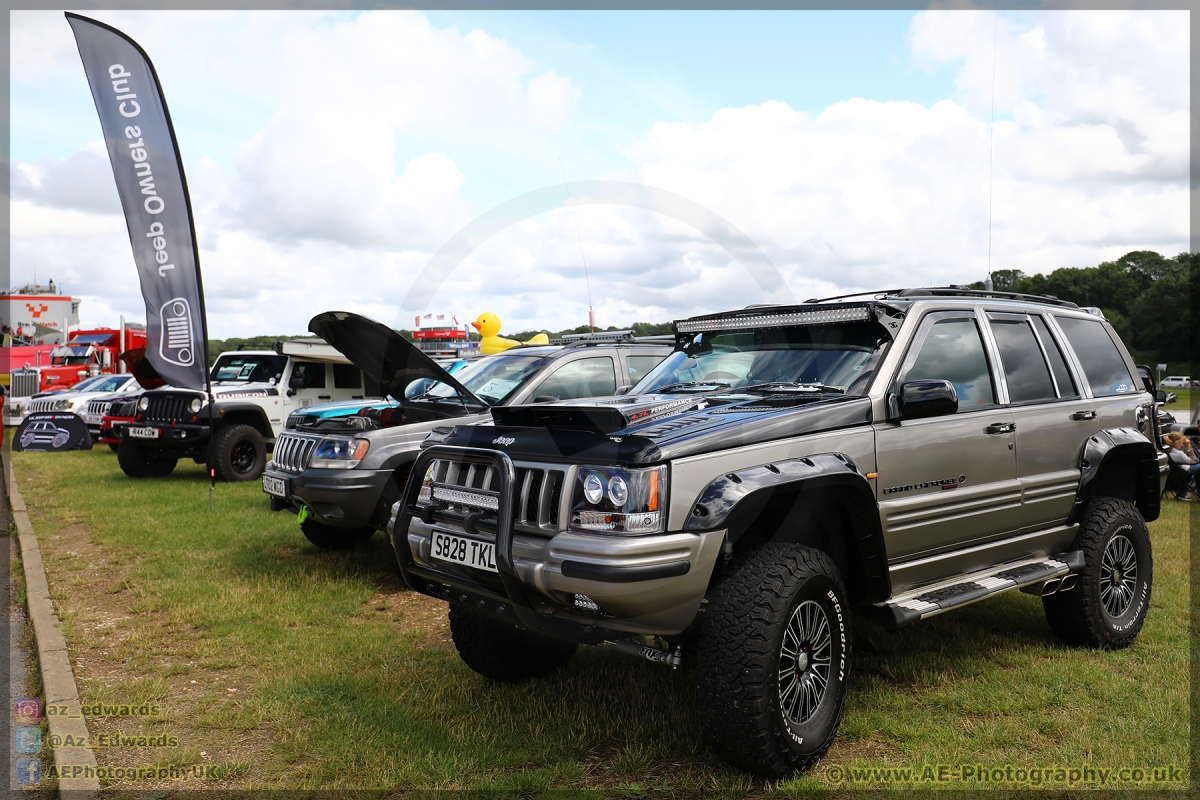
(514,605)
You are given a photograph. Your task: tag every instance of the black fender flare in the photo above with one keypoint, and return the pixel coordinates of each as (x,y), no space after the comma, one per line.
(224,411)
(741,495)
(1116,444)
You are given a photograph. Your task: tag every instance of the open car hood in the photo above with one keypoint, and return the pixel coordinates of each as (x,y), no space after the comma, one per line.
(141,369)
(382,353)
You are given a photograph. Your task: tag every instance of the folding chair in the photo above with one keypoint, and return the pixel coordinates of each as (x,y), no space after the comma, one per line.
(1176,478)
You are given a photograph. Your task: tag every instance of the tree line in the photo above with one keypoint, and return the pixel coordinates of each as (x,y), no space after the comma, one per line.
(1145,296)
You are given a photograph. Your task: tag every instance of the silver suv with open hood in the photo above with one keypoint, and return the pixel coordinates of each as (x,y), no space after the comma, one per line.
(343,474)
(902,455)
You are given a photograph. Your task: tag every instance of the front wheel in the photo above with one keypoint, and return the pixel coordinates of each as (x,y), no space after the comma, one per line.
(504,652)
(1107,607)
(238,453)
(328,537)
(773,664)
(137,461)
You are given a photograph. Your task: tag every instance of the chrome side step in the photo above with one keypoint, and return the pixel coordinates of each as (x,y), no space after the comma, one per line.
(1038,575)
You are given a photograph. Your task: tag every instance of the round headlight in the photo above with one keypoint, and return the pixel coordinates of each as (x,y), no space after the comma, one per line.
(593,489)
(618,492)
(195,406)
(143,404)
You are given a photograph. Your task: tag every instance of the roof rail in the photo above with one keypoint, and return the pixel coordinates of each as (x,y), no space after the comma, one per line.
(962,291)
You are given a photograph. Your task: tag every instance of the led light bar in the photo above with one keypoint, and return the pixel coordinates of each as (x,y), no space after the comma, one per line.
(464,498)
(751,321)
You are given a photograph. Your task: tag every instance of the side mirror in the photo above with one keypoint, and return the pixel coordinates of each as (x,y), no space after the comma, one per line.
(297,381)
(1160,396)
(623,390)
(927,398)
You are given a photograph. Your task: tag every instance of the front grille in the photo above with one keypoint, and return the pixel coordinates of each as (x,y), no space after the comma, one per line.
(293,452)
(538,491)
(40,406)
(166,408)
(23,383)
(99,408)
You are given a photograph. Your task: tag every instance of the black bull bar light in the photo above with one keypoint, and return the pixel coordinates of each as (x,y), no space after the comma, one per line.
(514,606)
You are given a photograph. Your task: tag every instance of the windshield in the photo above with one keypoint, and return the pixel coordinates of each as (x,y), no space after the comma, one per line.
(492,379)
(107,383)
(86,384)
(70,356)
(835,357)
(250,368)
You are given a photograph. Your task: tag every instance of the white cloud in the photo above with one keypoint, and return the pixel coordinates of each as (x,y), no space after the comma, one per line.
(346,135)
(552,99)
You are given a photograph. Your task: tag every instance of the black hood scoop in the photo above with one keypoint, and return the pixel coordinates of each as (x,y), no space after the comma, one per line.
(608,415)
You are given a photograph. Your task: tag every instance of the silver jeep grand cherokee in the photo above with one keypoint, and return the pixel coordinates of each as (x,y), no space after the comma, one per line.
(899,455)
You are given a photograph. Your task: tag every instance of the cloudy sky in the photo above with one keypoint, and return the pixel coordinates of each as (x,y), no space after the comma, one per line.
(331,155)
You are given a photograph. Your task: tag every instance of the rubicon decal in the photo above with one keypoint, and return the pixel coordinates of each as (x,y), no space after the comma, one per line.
(944,483)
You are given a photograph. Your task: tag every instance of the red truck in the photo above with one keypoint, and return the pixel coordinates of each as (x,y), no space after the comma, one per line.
(44,368)
(40,369)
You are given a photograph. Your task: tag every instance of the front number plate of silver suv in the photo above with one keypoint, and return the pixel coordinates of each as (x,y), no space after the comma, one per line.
(460,550)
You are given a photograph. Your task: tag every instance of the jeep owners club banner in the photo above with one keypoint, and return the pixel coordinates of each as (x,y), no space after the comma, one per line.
(149,173)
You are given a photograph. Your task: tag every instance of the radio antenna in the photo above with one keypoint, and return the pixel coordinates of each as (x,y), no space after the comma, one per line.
(991,146)
(587,281)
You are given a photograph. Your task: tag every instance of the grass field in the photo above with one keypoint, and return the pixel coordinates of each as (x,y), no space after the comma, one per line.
(275,665)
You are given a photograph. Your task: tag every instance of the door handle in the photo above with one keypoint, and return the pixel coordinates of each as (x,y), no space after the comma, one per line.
(324,397)
(1080,416)
(1001,427)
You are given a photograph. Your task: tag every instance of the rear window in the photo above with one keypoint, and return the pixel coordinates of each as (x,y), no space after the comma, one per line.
(346,376)
(1103,365)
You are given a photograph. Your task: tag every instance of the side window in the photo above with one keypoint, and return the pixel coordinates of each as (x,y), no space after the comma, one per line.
(314,374)
(1058,364)
(346,376)
(1025,369)
(1102,362)
(587,377)
(953,351)
(640,365)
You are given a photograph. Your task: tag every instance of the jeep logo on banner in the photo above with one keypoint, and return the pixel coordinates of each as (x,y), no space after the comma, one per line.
(51,433)
(176,345)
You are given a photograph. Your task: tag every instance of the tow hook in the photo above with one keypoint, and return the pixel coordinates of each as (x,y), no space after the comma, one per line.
(654,654)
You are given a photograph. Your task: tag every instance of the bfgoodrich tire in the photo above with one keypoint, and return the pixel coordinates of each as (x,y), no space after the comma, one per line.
(504,652)
(774,660)
(1107,606)
(328,537)
(238,453)
(140,462)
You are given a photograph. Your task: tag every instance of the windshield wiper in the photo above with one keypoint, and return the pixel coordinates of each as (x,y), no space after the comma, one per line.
(816,388)
(690,384)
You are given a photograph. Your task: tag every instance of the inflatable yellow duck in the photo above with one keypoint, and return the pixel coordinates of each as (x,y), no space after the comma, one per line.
(488,326)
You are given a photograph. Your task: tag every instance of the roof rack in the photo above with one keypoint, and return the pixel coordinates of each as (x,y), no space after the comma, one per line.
(963,291)
(611,337)
(953,291)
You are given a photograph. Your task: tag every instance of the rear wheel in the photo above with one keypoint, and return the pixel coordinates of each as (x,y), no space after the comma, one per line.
(137,461)
(1107,607)
(238,453)
(328,537)
(774,658)
(504,652)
